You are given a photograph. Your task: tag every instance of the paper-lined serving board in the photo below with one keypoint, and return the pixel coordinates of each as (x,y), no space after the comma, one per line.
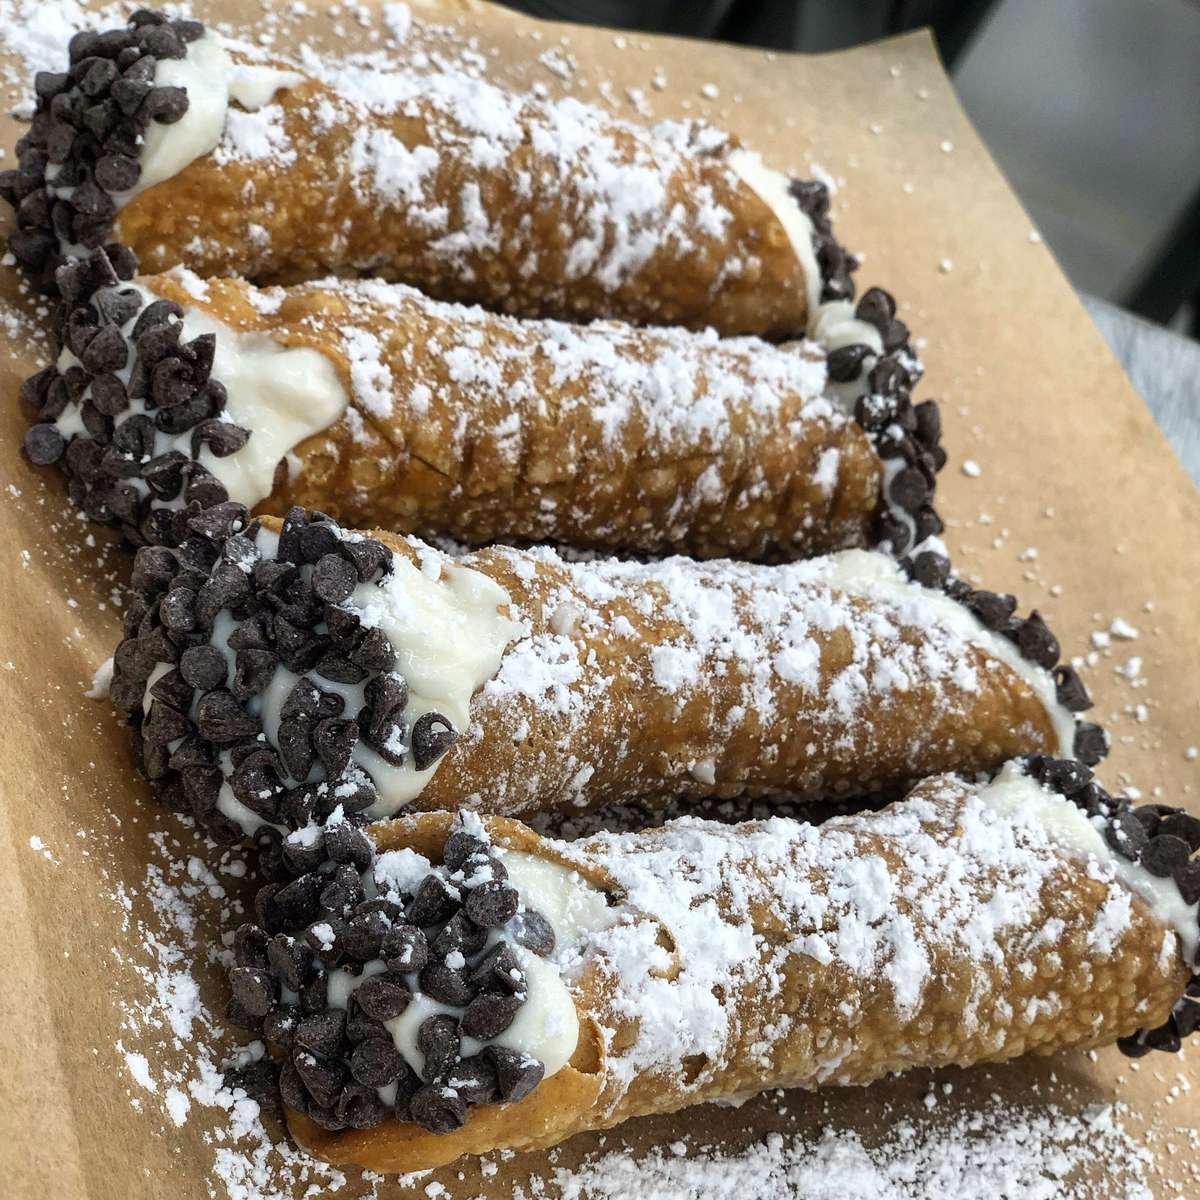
(1077,504)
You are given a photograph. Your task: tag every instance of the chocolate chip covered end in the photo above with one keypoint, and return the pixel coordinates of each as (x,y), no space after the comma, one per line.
(906,433)
(146,400)
(1161,840)
(1031,636)
(83,145)
(448,936)
(198,729)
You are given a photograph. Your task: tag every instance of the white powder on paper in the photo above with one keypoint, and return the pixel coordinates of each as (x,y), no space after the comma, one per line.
(998,1153)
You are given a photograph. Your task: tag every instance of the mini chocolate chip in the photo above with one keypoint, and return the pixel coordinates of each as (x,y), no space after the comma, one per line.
(334,740)
(43,445)
(107,351)
(1164,854)
(1036,642)
(290,958)
(474,1079)
(437,1109)
(382,998)
(435,901)
(295,746)
(364,936)
(994,609)
(298,902)
(253,988)
(323,1079)
(404,949)
(461,846)
(432,736)
(1182,825)
(373,652)
(255,670)
(177,610)
(1064,775)
(930,569)
(166,104)
(1126,834)
(1187,879)
(250,946)
(1187,1017)
(492,904)
(117,172)
(1070,690)
(341,895)
(446,984)
(221,719)
(343,843)
(203,667)
(279,1025)
(517,1074)
(376,1062)
(368,556)
(877,307)
(459,933)
(322,1033)
(438,1042)
(171,688)
(222,437)
(317,540)
(909,489)
(534,932)
(490,1014)
(338,669)
(498,969)
(845,364)
(1091,743)
(333,579)
(291,1086)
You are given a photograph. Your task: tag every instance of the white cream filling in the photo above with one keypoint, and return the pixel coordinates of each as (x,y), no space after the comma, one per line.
(211,80)
(771,187)
(869,573)
(835,326)
(546,1026)
(282,395)
(1013,792)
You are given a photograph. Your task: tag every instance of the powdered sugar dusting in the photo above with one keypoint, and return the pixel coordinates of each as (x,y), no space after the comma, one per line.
(1000,1152)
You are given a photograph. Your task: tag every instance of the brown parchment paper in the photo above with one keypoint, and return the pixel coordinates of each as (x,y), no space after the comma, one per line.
(1078,505)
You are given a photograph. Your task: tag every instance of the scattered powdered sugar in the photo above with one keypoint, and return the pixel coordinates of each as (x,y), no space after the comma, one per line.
(1000,1152)
(958,883)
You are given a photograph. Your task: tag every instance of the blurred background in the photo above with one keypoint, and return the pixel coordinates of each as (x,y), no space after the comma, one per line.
(1091,107)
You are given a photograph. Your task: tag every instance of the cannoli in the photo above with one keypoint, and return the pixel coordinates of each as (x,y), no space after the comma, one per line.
(284,671)
(191,150)
(464,985)
(384,408)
